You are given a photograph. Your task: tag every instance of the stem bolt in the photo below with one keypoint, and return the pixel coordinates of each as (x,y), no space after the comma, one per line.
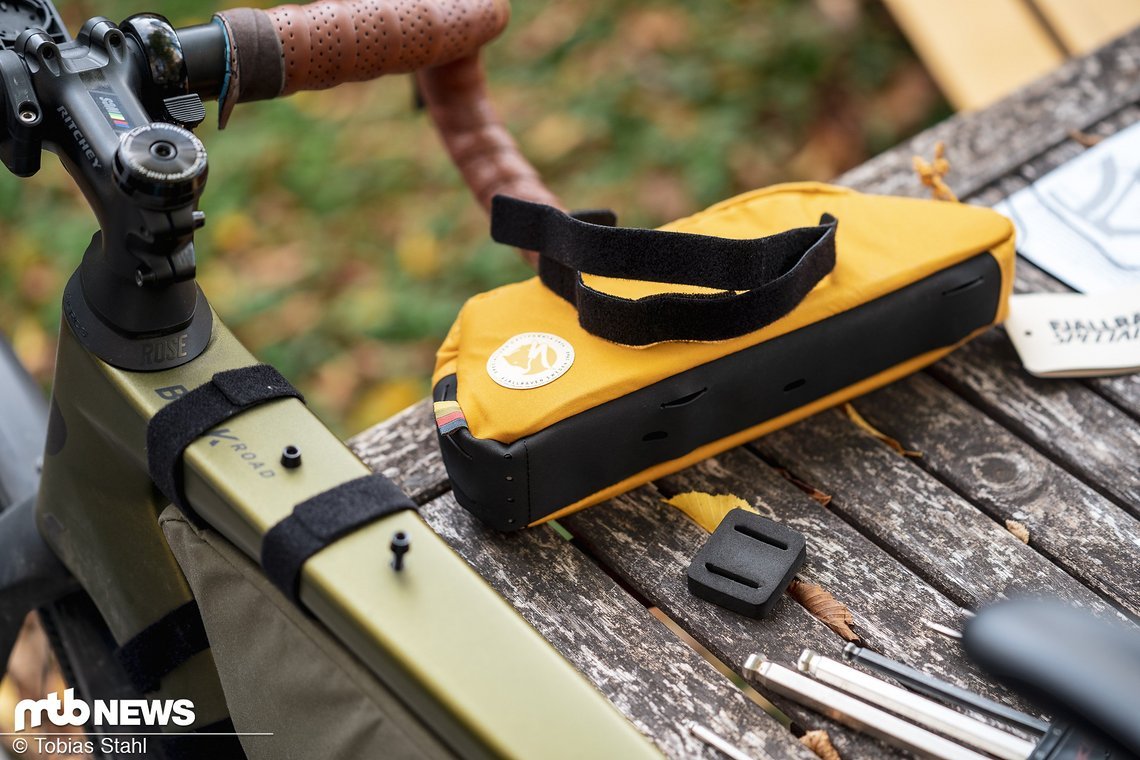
(291,457)
(401,545)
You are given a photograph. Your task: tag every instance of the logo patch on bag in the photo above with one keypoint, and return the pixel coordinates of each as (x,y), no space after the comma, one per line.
(530,360)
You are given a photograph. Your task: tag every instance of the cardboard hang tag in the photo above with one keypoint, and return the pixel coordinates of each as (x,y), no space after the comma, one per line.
(1077,334)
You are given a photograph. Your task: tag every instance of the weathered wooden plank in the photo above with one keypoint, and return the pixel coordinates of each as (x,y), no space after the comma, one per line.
(968,48)
(654,562)
(400,451)
(1073,525)
(986,145)
(1074,426)
(655,680)
(1089,24)
(934,531)
(1004,390)
(405,449)
(425,464)
(650,546)
(1123,391)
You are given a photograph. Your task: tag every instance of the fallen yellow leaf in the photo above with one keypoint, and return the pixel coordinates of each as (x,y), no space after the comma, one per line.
(857,418)
(706,509)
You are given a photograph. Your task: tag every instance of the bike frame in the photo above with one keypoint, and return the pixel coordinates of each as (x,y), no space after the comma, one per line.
(435,633)
(461,659)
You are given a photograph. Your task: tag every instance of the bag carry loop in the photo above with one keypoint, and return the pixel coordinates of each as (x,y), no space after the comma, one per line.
(765,278)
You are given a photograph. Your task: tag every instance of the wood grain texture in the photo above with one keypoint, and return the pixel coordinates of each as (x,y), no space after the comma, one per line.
(655,680)
(400,451)
(986,145)
(927,526)
(405,449)
(1069,522)
(1066,420)
(650,545)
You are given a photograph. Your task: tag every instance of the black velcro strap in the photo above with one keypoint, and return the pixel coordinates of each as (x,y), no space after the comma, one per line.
(187,418)
(163,646)
(763,278)
(194,746)
(322,520)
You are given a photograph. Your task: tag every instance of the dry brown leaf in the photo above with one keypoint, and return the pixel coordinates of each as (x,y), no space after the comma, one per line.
(823,498)
(857,418)
(933,174)
(1084,138)
(820,603)
(1018,529)
(706,509)
(820,743)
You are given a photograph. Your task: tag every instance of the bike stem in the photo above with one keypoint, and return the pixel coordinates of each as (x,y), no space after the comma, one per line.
(115,105)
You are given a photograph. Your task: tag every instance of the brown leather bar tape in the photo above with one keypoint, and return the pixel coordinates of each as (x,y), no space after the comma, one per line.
(258,73)
(481,147)
(327,43)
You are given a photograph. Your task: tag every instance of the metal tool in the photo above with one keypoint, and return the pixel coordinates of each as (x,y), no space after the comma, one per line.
(856,713)
(721,744)
(919,709)
(939,689)
(945,630)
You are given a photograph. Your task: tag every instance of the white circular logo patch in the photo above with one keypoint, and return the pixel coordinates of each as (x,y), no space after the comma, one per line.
(530,360)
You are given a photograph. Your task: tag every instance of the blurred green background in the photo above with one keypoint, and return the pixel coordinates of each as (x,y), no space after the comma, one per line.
(340,243)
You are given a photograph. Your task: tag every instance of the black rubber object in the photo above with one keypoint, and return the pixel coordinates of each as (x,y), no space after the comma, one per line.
(1083,668)
(747,563)
(510,485)
(761,279)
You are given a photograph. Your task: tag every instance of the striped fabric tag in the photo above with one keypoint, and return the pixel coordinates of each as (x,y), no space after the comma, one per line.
(449,417)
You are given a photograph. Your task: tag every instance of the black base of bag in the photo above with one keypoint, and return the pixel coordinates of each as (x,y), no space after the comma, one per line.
(510,486)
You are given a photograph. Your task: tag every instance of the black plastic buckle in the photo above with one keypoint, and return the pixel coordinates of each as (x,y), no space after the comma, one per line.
(747,563)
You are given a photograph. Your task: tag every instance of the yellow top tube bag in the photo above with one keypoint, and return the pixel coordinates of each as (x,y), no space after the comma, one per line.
(636,353)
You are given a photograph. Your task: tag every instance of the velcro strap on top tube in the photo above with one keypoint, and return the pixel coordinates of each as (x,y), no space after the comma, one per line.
(189,417)
(323,520)
(762,279)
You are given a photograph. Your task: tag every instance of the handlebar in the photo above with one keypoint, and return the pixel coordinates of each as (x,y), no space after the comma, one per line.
(320,45)
(248,54)
(480,145)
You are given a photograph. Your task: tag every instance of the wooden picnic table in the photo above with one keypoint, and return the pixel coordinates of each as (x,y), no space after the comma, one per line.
(903,539)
